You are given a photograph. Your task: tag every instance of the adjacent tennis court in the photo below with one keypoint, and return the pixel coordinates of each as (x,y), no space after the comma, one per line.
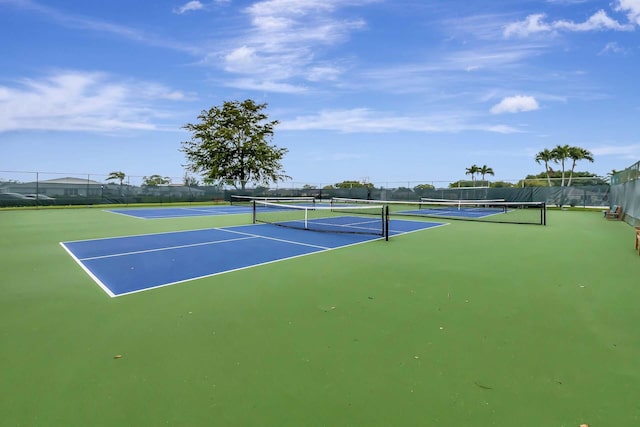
(180,212)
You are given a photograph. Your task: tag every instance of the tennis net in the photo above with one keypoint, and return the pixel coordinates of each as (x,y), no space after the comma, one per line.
(463,210)
(248,200)
(460,201)
(369,219)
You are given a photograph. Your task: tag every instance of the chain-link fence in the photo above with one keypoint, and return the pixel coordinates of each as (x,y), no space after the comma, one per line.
(48,188)
(625,192)
(44,188)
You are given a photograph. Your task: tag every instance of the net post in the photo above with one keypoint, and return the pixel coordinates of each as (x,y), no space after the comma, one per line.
(253,203)
(544,213)
(385,213)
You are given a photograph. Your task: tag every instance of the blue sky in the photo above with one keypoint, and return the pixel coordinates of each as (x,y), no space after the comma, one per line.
(388,90)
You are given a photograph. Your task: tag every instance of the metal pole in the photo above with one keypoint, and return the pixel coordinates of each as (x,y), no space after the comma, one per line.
(37,188)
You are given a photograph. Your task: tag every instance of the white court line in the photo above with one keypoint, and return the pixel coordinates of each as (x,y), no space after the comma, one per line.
(224,211)
(86,270)
(401,232)
(167,248)
(359,225)
(214,210)
(143,234)
(277,240)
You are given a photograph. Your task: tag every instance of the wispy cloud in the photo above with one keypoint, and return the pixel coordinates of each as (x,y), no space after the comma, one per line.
(81,101)
(569,2)
(366,120)
(188,7)
(612,47)
(265,85)
(515,104)
(79,22)
(630,151)
(286,39)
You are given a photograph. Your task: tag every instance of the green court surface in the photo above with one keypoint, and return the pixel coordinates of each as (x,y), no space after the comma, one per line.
(473,324)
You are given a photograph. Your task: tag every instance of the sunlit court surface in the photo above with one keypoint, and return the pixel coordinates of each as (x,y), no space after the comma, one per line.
(129,264)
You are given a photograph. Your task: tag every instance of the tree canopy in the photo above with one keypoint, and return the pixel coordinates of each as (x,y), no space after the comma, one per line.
(155,180)
(231,144)
(583,178)
(353,184)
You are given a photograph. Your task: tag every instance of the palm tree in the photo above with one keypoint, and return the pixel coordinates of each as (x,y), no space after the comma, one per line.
(575,154)
(560,154)
(484,170)
(472,170)
(117,175)
(545,156)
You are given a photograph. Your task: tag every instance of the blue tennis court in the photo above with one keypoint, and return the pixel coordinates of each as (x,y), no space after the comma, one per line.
(187,211)
(463,212)
(130,264)
(179,212)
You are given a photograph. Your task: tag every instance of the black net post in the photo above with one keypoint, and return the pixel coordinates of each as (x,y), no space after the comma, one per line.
(385,213)
(253,210)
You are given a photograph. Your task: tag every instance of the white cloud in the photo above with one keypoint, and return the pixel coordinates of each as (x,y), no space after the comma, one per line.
(188,7)
(241,60)
(631,8)
(82,101)
(535,24)
(598,21)
(531,25)
(515,104)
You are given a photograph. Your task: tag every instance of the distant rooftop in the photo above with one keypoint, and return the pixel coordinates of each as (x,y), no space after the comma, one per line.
(70,180)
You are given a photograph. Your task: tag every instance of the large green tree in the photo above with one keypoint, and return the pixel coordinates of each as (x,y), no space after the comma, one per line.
(232,143)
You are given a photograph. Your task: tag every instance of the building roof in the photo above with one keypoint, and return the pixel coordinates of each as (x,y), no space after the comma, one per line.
(70,180)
